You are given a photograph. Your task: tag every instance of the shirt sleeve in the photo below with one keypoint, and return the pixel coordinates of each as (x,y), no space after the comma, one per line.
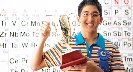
(52,57)
(117,62)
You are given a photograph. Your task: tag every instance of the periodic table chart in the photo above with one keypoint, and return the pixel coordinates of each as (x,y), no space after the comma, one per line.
(20,21)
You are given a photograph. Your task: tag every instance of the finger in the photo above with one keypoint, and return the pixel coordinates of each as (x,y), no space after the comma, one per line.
(88,59)
(42,32)
(76,66)
(67,68)
(43,28)
(80,66)
(49,29)
(47,23)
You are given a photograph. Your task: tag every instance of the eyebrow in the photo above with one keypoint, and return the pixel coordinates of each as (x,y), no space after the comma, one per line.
(93,11)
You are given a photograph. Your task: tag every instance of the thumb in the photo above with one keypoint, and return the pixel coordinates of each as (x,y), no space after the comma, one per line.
(47,22)
(88,59)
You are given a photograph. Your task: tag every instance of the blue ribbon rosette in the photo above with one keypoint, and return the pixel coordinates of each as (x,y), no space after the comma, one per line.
(103,56)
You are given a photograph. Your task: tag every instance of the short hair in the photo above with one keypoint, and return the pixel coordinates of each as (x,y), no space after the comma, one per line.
(89,2)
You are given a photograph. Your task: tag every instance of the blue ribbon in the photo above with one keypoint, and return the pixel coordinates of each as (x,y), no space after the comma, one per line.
(103,56)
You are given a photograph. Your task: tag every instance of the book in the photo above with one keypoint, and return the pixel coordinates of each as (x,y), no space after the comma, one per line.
(72,58)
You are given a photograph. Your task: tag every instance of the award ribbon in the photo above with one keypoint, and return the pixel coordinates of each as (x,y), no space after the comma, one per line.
(103,56)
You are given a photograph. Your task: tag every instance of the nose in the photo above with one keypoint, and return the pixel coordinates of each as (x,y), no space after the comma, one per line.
(90,18)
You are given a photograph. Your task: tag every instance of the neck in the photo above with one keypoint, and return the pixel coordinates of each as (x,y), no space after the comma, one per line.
(90,37)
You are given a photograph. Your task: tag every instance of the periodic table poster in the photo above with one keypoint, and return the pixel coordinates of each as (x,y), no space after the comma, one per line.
(20,21)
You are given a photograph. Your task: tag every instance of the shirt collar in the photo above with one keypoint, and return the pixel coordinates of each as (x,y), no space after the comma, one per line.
(80,40)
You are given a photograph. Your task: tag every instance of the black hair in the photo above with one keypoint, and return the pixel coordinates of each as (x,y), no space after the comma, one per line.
(91,2)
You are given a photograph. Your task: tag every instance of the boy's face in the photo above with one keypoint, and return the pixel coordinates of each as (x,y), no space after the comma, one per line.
(90,18)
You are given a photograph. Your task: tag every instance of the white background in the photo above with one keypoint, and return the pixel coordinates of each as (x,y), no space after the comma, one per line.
(17,16)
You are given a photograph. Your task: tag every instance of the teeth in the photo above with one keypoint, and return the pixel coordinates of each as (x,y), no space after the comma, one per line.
(90,24)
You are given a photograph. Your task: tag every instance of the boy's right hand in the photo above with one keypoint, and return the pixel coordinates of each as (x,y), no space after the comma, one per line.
(45,30)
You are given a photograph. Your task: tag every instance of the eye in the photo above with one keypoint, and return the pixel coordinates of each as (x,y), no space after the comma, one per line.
(85,14)
(95,14)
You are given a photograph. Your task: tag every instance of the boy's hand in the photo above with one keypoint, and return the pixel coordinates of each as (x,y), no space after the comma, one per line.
(89,66)
(45,31)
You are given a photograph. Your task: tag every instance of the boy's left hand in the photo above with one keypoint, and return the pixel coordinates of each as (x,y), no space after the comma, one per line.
(89,66)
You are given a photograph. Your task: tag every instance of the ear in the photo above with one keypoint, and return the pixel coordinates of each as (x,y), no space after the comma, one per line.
(78,19)
(101,19)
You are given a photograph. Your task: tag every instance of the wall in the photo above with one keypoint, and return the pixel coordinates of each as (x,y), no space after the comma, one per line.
(20,21)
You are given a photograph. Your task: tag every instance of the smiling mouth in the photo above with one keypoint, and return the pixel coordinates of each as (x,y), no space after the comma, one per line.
(89,24)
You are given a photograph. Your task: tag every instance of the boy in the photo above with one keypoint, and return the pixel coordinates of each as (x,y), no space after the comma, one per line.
(102,55)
